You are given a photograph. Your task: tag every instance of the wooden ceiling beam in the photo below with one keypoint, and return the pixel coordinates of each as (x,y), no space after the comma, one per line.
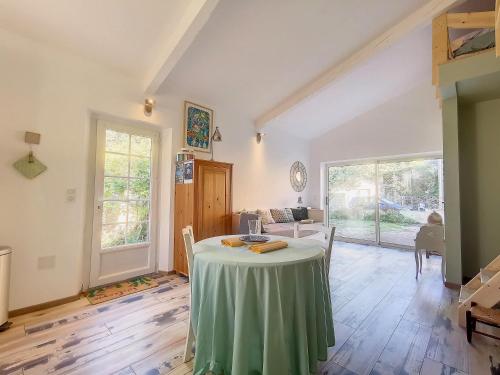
(476,20)
(176,43)
(422,17)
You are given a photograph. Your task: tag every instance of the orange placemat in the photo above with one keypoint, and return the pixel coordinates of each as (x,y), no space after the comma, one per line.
(269,246)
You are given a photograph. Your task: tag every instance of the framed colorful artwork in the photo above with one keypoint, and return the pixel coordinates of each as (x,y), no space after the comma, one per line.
(198,123)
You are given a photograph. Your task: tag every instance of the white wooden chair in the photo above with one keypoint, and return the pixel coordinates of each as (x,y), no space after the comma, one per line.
(187,235)
(326,242)
(430,238)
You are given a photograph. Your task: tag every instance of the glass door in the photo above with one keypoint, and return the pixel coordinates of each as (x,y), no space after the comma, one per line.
(409,192)
(352,200)
(383,202)
(124,217)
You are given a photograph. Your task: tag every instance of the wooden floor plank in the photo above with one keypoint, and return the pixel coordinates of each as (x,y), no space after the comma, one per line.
(448,343)
(163,361)
(431,367)
(354,312)
(335,369)
(79,356)
(361,351)
(342,334)
(182,369)
(114,358)
(405,351)
(424,307)
(33,350)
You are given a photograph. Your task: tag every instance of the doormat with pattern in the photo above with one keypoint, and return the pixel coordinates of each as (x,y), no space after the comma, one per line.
(113,291)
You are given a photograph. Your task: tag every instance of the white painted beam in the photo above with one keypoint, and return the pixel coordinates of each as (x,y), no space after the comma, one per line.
(422,17)
(178,42)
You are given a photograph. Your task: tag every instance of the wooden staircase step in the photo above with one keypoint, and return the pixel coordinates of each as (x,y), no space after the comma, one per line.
(486,275)
(465,293)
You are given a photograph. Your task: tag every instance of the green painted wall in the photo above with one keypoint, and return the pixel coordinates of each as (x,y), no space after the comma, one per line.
(452,191)
(479,144)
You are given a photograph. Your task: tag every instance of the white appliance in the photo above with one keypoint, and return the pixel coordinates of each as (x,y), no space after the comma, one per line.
(5,254)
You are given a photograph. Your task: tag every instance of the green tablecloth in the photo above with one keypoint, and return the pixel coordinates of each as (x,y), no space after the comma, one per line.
(260,313)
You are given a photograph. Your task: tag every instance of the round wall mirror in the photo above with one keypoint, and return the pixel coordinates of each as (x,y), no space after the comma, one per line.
(298,176)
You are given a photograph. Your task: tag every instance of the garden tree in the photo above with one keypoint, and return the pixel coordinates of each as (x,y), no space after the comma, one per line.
(411,183)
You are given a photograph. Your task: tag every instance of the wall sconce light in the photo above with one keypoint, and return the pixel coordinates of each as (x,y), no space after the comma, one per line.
(216,137)
(148,106)
(259,137)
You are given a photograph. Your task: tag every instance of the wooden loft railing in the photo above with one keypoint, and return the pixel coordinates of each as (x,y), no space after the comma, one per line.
(441,44)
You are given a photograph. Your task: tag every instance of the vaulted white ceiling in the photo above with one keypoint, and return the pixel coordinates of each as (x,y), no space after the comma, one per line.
(123,34)
(247,55)
(251,54)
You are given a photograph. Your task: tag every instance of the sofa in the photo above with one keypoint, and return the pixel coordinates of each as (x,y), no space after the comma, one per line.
(309,226)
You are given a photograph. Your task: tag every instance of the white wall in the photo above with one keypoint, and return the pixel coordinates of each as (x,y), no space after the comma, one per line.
(408,124)
(54,93)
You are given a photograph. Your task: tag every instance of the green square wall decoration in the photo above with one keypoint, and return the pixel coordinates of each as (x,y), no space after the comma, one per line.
(29,166)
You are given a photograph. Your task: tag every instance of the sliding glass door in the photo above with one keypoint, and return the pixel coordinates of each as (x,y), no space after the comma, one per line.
(409,192)
(383,202)
(352,196)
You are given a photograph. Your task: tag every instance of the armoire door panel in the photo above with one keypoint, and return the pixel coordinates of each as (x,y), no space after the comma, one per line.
(207,181)
(220,203)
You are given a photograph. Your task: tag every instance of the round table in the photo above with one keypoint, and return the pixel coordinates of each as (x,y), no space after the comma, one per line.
(260,313)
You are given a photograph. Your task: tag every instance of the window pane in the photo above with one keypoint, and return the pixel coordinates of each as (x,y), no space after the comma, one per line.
(115,188)
(117,142)
(139,188)
(115,165)
(140,145)
(114,212)
(113,235)
(409,192)
(352,192)
(137,233)
(138,211)
(140,167)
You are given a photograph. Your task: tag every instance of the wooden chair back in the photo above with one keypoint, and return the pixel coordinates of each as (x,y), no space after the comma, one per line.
(330,234)
(431,237)
(187,235)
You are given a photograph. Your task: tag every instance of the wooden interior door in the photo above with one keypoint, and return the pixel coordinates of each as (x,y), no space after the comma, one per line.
(214,199)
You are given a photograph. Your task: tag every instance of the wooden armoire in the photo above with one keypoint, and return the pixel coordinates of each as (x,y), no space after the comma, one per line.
(206,204)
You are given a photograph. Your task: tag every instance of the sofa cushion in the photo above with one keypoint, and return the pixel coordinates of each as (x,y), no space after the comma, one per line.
(265,216)
(282,215)
(300,213)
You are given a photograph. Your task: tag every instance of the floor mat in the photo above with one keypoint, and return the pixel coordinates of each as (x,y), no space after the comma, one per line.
(123,288)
